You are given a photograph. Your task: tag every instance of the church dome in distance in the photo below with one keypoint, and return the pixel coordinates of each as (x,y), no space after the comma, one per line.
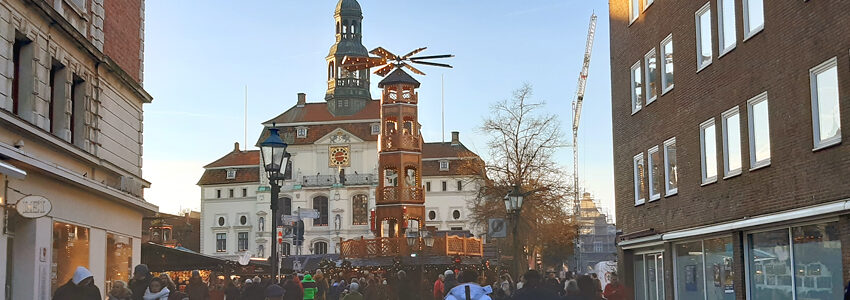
(348,6)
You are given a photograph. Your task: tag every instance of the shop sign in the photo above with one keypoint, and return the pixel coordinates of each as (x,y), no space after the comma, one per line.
(33,207)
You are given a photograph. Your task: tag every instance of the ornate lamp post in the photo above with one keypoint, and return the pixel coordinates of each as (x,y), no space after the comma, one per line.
(274,160)
(513,205)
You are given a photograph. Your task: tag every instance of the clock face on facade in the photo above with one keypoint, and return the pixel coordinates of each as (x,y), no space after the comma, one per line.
(339,156)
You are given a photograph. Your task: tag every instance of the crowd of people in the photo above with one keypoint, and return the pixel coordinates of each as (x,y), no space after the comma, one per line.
(531,286)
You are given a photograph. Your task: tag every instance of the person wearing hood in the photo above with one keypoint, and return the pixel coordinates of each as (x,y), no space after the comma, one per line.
(156,291)
(310,287)
(534,288)
(80,287)
(119,291)
(140,281)
(353,292)
(196,289)
(468,289)
(450,282)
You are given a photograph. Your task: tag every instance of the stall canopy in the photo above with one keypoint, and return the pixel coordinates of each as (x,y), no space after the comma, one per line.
(160,258)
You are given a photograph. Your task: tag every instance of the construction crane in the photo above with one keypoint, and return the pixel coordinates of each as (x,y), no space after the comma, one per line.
(582,83)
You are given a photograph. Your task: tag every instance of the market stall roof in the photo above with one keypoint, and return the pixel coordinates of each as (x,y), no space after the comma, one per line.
(306,262)
(419,260)
(161,258)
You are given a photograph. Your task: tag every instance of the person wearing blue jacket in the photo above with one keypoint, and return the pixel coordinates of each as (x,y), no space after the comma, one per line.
(468,289)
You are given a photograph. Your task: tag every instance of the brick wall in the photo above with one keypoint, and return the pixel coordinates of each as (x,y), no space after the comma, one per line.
(797,36)
(121,27)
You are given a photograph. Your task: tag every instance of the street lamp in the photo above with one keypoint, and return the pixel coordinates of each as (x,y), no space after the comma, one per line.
(513,205)
(274,159)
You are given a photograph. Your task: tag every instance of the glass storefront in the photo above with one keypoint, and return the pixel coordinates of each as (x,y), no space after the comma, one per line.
(704,270)
(70,250)
(814,251)
(119,258)
(649,276)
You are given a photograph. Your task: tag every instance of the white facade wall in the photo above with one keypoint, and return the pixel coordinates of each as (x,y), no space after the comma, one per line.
(445,203)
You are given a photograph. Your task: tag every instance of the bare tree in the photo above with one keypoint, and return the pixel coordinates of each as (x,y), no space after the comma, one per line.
(523,140)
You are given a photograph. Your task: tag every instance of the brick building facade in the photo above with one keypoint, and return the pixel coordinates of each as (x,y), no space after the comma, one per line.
(729,161)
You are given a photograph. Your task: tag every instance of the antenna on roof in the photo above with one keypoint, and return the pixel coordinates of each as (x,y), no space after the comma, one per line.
(246,118)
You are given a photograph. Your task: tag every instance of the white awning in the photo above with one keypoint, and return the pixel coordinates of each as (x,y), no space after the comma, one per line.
(12,171)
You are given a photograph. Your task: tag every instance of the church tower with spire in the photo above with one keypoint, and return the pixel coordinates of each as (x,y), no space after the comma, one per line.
(348,92)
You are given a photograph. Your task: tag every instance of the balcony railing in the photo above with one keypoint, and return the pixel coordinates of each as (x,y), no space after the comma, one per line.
(330,180)
(347,82)
(391,194)
(402,141)
(392,247)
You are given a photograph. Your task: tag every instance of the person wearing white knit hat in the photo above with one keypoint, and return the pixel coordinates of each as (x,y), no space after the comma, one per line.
(80,287)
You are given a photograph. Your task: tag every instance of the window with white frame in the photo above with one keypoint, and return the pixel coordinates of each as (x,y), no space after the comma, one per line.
(231,174)
(640,179)
(726,25)
(221,242)
(759,129)
(731,142)
(671,168)
(704,48)
(637,87)
(753,17)
(654,173)
(667,64)
(444,165)
(708,145)
(651,62)
(634,11)
(826,117)
(242,238)
(376,129)
(301,132)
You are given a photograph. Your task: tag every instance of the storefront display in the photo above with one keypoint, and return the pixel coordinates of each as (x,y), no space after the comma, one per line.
(119,258)
(704,270)
(70,250)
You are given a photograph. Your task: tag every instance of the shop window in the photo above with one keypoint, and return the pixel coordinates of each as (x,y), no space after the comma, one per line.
(119,258)
(671,168)
(759,131)
(704,270)
(320,248)
(70,250)
(649,276)
(708,145)
(731,142)
(242,239)
(651,62)
(704,47)
(221,242)
(360,210)
(826,117)
(320,204)
(667,64)
(637,88)
(805,265)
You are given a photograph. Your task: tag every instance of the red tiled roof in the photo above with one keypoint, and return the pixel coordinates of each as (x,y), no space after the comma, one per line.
(362,131)
(318,112)
(456,167)
(219,176)
(237,158)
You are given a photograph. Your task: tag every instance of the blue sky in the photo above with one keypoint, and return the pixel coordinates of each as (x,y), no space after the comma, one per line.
(200,55)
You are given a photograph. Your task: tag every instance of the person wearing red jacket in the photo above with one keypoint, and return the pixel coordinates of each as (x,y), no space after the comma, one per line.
(438,288)
(615,290)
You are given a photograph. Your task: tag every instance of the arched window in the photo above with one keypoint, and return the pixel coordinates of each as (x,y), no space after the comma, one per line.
(360,210)
(344,26)
(353,28)
(320,248)
(262,224)
(320,203)
(285,205)
(337,27)
(390,126)
(410,176)
(285,248)
(390,177)
(330,70)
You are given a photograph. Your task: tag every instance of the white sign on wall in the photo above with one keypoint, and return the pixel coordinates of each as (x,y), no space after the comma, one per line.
(33,207)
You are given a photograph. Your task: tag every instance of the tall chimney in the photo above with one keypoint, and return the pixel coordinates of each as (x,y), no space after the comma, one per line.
(236,147)
(455,138)
(302,99)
